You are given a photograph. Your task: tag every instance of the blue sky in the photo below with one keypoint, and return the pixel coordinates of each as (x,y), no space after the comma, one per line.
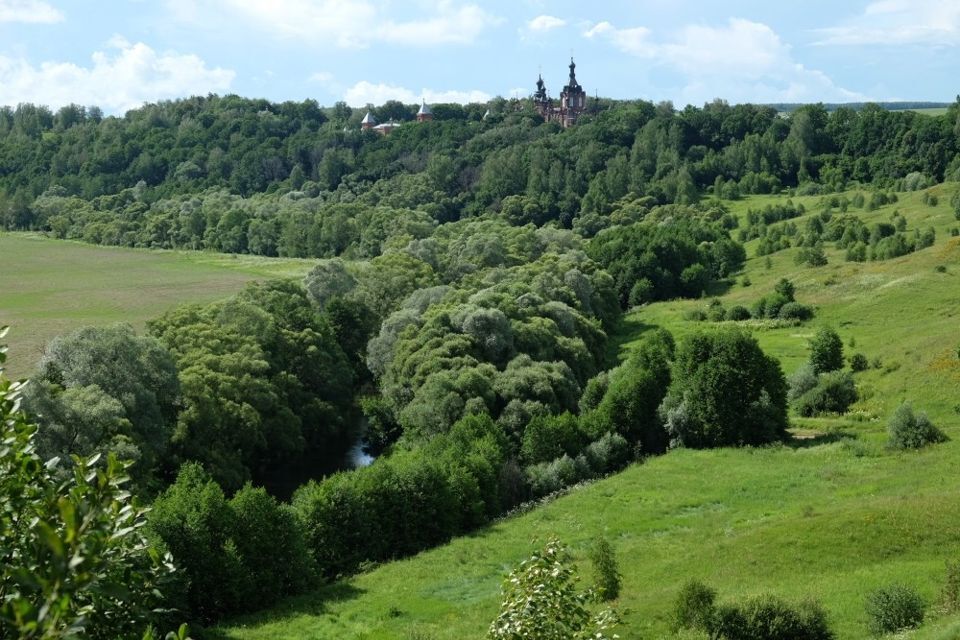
(121,53)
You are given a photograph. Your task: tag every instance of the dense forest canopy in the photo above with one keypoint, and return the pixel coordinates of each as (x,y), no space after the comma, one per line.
(240,175)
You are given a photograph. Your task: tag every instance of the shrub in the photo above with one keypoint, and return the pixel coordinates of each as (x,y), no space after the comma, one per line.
(834,393)
(859,362)
(606,576)
(716,313)
(547,477)
(194,521)
(826,350)
(909,430)
(770,618)
(609,453)
(541,602)
(738,313)
(894,608)
(796,311)
(694,607)
(803,380)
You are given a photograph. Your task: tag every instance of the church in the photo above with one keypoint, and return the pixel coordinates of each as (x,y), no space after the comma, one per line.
(573,101)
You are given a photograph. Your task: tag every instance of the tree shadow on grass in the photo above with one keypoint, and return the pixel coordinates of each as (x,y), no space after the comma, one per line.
(807,439)
(313,603)
(718,288)
(630,328)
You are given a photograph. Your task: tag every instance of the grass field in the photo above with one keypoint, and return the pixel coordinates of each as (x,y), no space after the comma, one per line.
(52,286)
(829,517)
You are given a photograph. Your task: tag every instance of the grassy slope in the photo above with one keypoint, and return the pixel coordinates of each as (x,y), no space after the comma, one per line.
(830,519)
(49,287)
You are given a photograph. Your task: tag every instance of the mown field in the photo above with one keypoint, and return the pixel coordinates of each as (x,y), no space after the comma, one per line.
(830,516)
(50,287)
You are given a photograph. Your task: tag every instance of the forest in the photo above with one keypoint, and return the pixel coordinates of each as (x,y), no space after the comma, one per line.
(470,273)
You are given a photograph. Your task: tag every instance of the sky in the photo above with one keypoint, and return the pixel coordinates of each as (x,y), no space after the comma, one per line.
(118,54)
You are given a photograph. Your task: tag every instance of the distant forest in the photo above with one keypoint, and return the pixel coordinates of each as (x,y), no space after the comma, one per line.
(241,175)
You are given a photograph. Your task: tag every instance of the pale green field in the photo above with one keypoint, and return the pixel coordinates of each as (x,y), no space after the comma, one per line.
(829,518)
(49,287)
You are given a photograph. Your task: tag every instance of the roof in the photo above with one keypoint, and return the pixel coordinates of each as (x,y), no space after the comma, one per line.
(368,119)
(424,109)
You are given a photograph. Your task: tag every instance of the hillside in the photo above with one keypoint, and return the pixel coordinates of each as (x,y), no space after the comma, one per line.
(831,515)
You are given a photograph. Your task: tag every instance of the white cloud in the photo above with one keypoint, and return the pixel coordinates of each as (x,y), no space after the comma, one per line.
(634,41)
(321,77)
(899,22)
(349,24)
(32,11)
(121,79)
(545,23)
(742,60)
(364,93)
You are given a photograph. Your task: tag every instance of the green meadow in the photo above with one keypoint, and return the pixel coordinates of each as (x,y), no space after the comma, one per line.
(50,287)
(831,515)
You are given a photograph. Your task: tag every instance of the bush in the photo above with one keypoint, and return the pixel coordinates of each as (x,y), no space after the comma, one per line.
(908,430)
(894,608)
(834,393)
(606,576)
(716,313)
(541,602)
(803,380)
(548,477)
(770,618)
(609,453)
(694,607)
(826,350)
(738,313)
(796,311)
(859,362)
(269,539)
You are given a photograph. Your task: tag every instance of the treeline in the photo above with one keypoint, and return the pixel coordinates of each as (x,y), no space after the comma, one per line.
(145,179)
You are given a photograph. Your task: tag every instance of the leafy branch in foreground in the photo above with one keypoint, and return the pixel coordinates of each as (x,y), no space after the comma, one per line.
(541,602)
(73,558)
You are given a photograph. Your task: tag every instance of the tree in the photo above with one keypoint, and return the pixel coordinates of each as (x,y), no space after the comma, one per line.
(606,576)
(725,392)
(826,350)
(635,391)
(105,388)
(541,602)
(74,559)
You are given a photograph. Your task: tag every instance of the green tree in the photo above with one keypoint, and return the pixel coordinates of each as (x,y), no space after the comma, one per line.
(724,392)
(81,372)
(541,602)
(606,575)
(826,350)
